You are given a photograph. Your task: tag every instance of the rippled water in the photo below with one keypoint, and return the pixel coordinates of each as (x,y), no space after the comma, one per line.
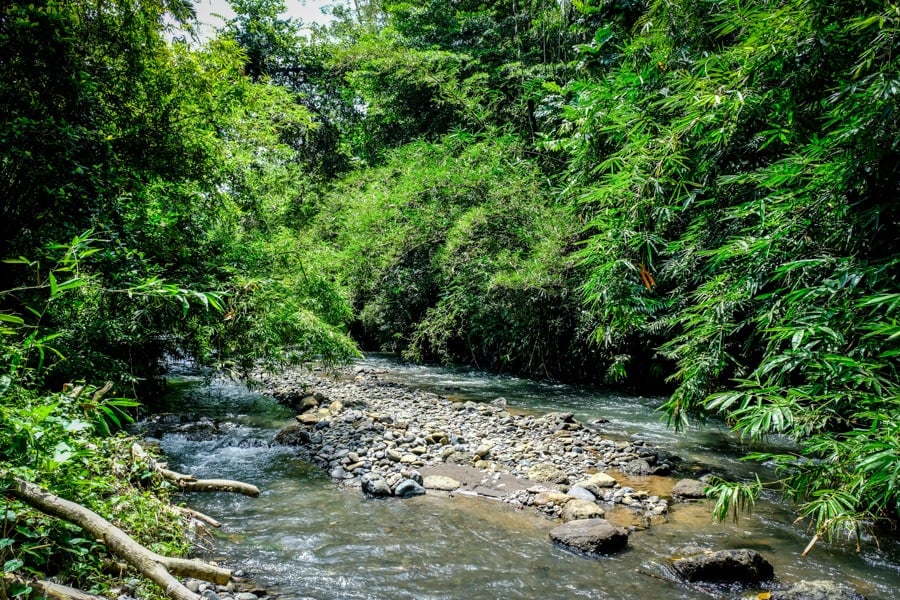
(311,539)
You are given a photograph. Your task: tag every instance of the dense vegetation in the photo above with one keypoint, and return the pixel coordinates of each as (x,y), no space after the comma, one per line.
(691,196)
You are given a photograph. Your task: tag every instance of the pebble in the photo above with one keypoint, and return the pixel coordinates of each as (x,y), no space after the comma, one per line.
(381,431)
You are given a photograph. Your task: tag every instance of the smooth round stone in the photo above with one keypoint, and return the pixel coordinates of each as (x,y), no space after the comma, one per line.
(440,483)
(408,488)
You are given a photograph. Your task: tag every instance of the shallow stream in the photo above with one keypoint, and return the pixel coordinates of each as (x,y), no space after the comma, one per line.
(308,538)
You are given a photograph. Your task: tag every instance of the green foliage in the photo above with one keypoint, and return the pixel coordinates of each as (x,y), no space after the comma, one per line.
(745,155)
(128,163)
(454,251)
(616,191)
(181,166)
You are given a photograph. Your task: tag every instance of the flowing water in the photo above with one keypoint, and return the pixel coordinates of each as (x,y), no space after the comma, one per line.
(307,538)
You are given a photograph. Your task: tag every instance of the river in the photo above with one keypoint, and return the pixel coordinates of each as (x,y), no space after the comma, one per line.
(305,537)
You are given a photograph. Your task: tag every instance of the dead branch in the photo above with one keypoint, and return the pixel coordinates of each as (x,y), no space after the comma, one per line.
(189,483)
(199,516)
(54,591)
(162,570)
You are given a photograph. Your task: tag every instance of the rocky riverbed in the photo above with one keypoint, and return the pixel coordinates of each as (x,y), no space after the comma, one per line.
(368,433)
(390,440)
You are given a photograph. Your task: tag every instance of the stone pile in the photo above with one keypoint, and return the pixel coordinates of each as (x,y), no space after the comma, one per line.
(237,589)
(381,437)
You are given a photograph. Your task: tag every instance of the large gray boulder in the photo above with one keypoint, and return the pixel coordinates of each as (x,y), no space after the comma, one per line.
(592,536)
(375,485)
(724,566)
(817,590)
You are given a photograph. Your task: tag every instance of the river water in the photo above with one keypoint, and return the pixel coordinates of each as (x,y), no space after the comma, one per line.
(308,538)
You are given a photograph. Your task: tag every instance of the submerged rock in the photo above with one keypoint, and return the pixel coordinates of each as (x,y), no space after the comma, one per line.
(689,489)
(724,566)
(817,590)
(592,536)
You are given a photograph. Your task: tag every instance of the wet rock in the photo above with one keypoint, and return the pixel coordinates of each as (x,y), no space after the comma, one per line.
(559,417)
(592,536)
(440,483)
(638,466)
(412,474)
(817,590)
(724,566)
(246,596)
(292,435)
(408,488)
(579,509)
(689,489)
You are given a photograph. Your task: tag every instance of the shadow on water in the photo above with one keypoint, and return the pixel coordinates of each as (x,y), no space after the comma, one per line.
(308,538)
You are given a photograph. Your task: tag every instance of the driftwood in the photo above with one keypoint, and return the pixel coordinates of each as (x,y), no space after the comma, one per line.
(162,570)
(197,515)
(189,483)
(54,591)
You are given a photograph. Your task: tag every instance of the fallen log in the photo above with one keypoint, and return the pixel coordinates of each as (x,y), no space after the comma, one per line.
(54,591)
(162,570)
(189,483)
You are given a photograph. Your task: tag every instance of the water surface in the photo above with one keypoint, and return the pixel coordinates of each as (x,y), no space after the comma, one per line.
(308,538)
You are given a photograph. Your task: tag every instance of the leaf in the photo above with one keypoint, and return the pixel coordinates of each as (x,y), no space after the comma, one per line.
(62,453)
(69,284)
(76,425)
(13,564)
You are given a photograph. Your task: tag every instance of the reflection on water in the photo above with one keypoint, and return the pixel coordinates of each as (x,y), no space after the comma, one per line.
(310,539)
